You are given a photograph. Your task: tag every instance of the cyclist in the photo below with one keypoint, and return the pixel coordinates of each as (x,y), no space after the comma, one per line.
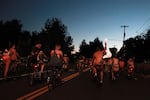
(115,67)
(98,62)
(131,67)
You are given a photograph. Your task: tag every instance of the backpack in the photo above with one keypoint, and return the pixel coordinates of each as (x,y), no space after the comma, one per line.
(55,61)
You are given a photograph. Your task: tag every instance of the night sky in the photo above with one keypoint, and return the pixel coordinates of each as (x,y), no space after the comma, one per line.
(85,19)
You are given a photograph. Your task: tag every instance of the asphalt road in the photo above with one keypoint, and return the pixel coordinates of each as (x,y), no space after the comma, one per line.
(81,87)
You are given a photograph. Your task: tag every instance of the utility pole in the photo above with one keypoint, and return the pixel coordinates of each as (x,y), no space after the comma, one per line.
(124,34)
(124,26)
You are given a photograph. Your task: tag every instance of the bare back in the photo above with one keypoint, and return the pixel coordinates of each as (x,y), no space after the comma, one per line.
(13,54)
(58,52)
(98,57)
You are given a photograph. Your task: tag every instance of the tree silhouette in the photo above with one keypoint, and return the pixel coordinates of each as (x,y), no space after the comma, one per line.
(9,32)
(55,32)
(83,48)
(87,50)
(24,44)
(138,47)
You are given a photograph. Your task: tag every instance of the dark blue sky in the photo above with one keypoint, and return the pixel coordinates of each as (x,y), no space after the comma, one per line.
(85,19)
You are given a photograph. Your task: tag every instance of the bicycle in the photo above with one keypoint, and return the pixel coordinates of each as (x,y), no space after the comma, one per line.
(54,78)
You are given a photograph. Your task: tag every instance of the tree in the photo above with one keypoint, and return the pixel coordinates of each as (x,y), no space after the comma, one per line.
(55,32)
(83,48)
(24,45)
(138,47)
(9,32)
(87,50)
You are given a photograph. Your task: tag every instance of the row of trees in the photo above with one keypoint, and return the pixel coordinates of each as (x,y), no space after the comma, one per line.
(137,47)
(53,32)
(87,50)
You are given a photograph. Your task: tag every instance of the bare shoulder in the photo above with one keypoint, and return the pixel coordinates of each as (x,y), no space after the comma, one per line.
(61,53)
(52,52)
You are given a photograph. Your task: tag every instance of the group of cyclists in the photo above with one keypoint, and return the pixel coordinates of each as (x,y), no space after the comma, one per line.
(57,59)
(114,65)
(10,57)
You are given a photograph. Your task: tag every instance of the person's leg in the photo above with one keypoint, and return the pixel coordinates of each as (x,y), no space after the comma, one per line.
(42,68)
(112,74)
(7,65)
(94,71)
(78,66)
(129,71)
(101,76)
(132,71)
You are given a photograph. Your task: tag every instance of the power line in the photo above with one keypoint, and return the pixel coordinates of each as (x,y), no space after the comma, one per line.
(143,32)
(114,40)
(146,21)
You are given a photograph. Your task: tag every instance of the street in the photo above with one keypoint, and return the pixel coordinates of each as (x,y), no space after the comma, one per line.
(82,88)
(79,87)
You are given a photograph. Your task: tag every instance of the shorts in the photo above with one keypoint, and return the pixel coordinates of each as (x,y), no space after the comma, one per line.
(99,67)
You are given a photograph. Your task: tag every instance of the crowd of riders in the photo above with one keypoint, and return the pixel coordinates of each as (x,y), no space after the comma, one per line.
(98,65)
(114,65)
(9,58)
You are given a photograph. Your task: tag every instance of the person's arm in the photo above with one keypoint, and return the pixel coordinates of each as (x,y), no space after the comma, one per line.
(105,47)
(18,56)
(62,55)
(51,53)
(44,56)
(93,59)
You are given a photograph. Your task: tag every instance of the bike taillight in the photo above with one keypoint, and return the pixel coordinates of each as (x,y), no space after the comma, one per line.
(35,66)
(131,69)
